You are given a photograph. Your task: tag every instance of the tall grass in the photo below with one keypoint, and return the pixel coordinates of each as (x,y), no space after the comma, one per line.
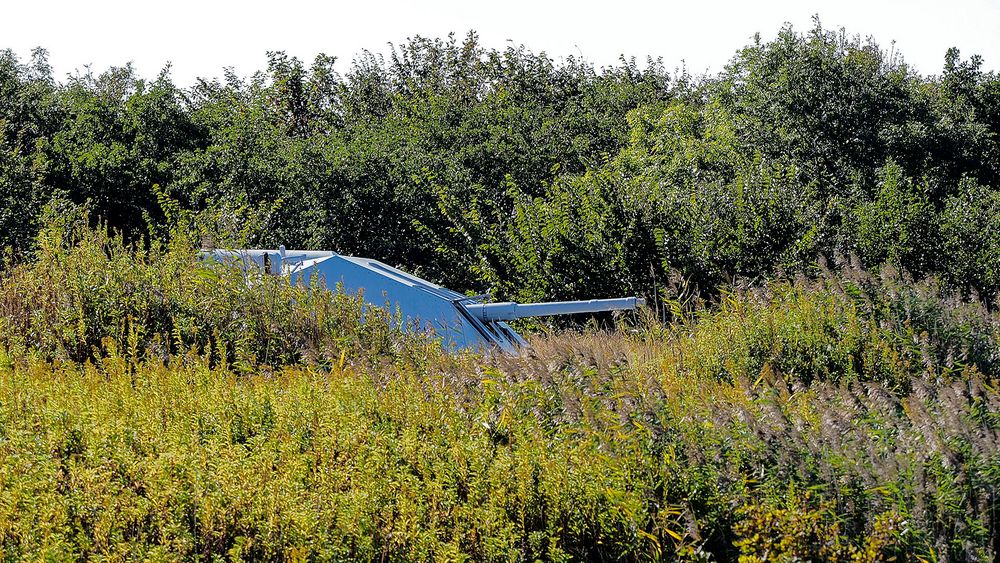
(155,406)
(88,294)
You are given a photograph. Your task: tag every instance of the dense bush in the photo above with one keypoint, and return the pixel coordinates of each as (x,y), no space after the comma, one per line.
(840,328)
(88,294)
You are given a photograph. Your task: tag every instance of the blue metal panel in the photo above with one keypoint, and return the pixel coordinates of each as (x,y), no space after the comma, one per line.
(460,321)
(422,305)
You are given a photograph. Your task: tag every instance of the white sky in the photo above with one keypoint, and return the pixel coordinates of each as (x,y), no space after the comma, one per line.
(201,37)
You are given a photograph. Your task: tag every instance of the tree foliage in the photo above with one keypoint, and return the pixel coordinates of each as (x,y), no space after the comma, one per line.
(506,171)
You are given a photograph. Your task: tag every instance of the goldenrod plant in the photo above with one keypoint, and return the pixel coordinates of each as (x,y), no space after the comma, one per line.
(154,406)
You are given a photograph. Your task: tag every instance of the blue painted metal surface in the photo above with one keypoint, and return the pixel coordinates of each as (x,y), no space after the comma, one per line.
(460,321)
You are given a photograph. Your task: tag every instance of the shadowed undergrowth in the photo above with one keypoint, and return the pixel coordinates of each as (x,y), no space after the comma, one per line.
(154,406)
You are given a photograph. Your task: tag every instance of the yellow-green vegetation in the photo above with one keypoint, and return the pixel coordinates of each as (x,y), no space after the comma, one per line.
(153,406)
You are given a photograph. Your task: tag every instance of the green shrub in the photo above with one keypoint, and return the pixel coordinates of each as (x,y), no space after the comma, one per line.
(845,326)
(88,294)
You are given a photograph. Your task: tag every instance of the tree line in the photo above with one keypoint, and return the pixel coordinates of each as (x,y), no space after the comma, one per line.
(508,172)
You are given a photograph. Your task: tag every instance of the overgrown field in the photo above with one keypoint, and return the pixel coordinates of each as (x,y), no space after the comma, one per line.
(771,406)
(152,406)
